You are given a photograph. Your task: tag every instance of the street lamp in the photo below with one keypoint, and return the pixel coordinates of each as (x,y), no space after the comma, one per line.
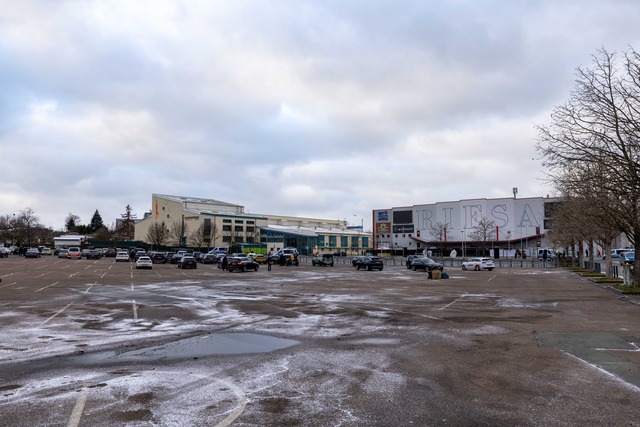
(462,243)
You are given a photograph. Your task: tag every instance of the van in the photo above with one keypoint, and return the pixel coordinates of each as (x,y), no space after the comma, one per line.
(550,253)
(617,253)
(219,250)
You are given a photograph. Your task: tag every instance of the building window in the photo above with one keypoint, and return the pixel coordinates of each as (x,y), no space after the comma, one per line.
(344,241)
(226,239)
(365,242)
(333,240)
(354,241)
(226,228)
(239,221)
(251,222)
(250,239)
(239,228)
(250,229)
(226,221)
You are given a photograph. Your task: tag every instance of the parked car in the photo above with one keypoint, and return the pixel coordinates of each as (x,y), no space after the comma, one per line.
(259,258)
(242,264)
(122,256)
(479,264)
(187,261)
(62,253)
(110,252)
(144,262)
(209,259)
(370,263)
(45,251)
(32,253)
(355,259)
(175,258)
(93,254)
(323,259)
(158,258)
(74,253)
(426,264)
(4,252)
(616,253)
(411,258)
(628,257)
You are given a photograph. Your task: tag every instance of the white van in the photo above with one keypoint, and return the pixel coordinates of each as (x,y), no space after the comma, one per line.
(219,250)
(551,254)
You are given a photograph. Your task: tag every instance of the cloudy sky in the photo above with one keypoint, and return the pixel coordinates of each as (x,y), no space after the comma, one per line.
(325,109)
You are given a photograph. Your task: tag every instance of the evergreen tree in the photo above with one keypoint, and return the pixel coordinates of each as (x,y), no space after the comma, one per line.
(96,221)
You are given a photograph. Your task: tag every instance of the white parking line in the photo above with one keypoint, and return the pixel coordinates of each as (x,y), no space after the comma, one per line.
(48,286)
(454,301)
(8,284)
(135,311)
(74,420)
(59,311)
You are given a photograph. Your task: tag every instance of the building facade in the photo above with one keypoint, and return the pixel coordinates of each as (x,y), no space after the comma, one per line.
(516,225)
(209,223)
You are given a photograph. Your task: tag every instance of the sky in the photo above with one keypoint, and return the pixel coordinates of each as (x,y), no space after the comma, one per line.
(322,109)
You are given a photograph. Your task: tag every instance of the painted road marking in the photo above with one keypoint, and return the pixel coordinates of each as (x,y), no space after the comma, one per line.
(135,311)
(60,311)
(48,286)
(454,301)
(8,284)
(74,420)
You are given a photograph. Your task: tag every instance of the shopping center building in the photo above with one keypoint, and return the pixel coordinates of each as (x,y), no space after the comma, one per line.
(209,223)
(516,225)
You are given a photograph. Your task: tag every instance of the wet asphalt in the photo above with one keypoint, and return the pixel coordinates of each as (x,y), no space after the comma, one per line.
(94,342)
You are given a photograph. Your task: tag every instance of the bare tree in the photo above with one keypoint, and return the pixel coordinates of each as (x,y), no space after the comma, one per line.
(438,231)
(199,237)
(594,136)
(25,225)
(157,234)
(484,232)
(178,231)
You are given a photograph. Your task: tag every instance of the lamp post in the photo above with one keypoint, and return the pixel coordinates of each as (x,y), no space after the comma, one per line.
(463,243)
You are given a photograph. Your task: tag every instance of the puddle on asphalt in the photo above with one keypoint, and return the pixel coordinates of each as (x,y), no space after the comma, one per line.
(200,346)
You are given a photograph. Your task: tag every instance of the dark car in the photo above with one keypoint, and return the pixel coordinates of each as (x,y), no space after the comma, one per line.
(426,264)
(187,261)
(242,264)
(411,258)
(370,263)
(110,252)
(355,259)
(323,260)
(139,254)
(93,254)
(32,253)
(209,259)
(158,258)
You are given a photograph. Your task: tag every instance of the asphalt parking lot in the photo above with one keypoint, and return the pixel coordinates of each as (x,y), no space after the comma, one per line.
(99,343)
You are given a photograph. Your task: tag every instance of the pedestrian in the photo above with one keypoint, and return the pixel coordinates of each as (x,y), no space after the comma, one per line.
(269,262)
(292,260)
(224,262)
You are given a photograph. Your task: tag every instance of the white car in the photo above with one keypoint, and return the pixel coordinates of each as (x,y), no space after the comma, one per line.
(144,262)
(479,264)
(122,256)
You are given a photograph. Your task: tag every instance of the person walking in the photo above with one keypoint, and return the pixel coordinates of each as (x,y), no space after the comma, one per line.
(269,262)
(224,262)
